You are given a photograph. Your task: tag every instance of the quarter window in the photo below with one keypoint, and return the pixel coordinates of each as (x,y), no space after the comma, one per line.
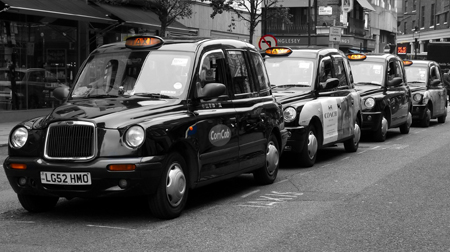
(261,74)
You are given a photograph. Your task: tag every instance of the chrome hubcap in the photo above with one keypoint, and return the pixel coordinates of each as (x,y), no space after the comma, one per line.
(384,126)
(272,158)
(312,145)
(175,185)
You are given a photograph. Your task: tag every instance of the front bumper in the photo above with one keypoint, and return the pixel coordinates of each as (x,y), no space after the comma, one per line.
(296,141)
(371,121)
(418,111)
(142,181)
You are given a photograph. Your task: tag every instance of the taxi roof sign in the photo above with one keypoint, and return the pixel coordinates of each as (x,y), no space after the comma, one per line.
(136,42)
(407,63)
(356,56)
(278,51)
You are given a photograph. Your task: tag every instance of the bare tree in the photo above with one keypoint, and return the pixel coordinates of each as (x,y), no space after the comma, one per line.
(250,11)
(167,10)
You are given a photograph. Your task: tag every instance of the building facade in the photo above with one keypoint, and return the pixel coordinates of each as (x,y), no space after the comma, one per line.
(421,22)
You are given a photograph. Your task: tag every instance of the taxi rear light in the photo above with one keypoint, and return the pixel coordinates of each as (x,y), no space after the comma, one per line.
(18,166)
(407,63)
(356,56)
(278,51)
(138,42)
(122,167)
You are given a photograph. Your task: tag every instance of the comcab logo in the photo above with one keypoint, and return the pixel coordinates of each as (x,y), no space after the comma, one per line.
(219,135)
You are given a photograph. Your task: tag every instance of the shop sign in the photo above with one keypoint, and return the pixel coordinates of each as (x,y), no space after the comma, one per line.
(325,10)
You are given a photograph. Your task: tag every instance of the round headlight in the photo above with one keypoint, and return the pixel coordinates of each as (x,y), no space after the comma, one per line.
(134,136)
(19,137)
(417,97)
(289,114)
(369,102)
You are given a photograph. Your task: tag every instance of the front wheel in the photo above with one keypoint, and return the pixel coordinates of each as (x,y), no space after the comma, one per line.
(404,129)
(352,144)
(442,118)
(426,120)
(171,195)
(37,204)
(381,132)
(308,154)
(268,173)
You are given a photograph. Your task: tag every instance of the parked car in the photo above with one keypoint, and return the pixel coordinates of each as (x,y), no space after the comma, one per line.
(151,117)
(428,91)
(320,105)
(386,96)
(34,87)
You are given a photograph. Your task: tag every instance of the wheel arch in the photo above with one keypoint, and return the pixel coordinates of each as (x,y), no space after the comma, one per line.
(191,159)
(318,125)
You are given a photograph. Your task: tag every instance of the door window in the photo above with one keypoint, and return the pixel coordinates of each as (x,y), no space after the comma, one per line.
(212,69)
(261,74)
(240,78)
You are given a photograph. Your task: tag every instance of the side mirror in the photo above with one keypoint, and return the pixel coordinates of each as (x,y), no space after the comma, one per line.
(395,81)
(435,83)
(330,84)
(61,93)
(210,90)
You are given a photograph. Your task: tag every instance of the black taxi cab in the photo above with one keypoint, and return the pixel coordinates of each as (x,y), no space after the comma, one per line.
(428,92)
(385,94)
(320,105)
(155,117)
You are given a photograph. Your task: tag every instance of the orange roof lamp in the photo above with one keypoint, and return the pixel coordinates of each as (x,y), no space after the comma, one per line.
(356,56)
(278,51)
(407,63)
(139,42)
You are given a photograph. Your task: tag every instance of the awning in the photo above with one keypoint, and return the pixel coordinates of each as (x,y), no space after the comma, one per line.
(137,16)
(366,5)
(68,9)
(295,3)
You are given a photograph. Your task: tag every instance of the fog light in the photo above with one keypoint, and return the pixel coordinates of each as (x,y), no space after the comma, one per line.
(22,181)
(369,118)
(123,183)
(122,167)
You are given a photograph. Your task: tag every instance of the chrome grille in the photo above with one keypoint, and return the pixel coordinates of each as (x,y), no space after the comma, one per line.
(72,140)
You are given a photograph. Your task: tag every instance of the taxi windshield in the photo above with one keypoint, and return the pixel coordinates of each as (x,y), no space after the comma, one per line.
(292,72)
(366,72)
(416,75)
(144,73)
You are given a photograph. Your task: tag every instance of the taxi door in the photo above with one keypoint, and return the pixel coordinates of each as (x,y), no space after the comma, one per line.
(215,125)
(438,94)
(398,95)
(250,109)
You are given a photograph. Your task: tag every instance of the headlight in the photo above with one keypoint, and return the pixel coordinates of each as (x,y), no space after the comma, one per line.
(19,137)
(289,114)
(134,136)
(417,97)
(369,102)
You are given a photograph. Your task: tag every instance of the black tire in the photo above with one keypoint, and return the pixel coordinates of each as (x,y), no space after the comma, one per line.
(427,118)
(37,204)
(168,204)
(308,155)
(404,128)
(442,118)
(352,144)
(381,132)
(268,173)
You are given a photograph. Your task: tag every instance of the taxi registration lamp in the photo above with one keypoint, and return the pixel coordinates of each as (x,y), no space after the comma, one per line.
(356,56)
(278,51)
(139,42)
(407,63)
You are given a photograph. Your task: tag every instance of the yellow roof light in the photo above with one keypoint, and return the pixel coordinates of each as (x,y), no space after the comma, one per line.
(407,63)
(138,42)
(356,56)
(278,51)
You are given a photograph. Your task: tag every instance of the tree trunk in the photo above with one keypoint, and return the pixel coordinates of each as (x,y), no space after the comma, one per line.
(12,70)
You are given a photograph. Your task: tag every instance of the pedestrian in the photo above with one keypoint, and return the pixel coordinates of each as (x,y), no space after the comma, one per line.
(447,83)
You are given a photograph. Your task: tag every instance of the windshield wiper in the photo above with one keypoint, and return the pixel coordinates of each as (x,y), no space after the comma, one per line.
(102,96)
(289,85)
(155,95)
(367,83)
(416,81)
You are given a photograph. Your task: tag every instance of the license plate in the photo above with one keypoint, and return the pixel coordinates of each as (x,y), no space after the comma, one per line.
(66,178)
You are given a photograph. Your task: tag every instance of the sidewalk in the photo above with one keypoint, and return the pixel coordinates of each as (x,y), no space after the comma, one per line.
(5,128)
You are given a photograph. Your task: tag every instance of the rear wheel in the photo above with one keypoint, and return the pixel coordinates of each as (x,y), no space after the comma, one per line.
(172,192)
(308,154)
(442,118)
(352,144)
(268,173)
(426,120)
(37,204)
(404,129)
(381,132)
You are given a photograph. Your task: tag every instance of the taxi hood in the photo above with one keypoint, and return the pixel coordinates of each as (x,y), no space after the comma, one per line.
(368,89)
(417,88)
(111,113)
